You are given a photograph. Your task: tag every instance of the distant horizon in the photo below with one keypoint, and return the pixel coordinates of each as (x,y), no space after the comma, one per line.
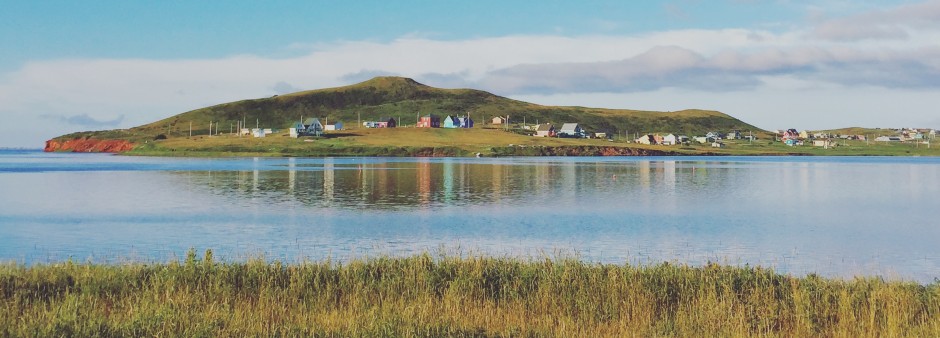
(801,64)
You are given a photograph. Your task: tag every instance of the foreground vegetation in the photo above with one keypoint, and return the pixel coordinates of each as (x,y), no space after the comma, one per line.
(429,295)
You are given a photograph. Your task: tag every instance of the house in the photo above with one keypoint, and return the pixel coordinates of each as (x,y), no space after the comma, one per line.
(335,126)
(646,139)
(382,122)
(429,121)
(933,132)
(312,127)
(888,139)
(682,139)
(465,122)
(545,130)
(257,132)
(824,143)
(791,137)
(499,120)
(703,139)
(806,135)
(450,122)
(571,130)
(244,132)
(713,135)
(718,145)
(600,135)
(733,135)
(670,140)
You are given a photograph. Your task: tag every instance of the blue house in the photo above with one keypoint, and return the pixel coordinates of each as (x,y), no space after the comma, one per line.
(312,127)
(465,122)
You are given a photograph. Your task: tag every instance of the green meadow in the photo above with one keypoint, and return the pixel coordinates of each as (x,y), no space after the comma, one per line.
(458,296)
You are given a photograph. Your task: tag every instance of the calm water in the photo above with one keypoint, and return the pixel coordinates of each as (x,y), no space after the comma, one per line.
(832,216)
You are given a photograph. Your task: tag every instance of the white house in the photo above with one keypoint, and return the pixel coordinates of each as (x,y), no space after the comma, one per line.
(571,130)
(888,139)
(545,130)
(335,126)
(258,132)
(646,139)
(670,140)
(824,143)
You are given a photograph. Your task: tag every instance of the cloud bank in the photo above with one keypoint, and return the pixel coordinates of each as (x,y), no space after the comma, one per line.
(892,50)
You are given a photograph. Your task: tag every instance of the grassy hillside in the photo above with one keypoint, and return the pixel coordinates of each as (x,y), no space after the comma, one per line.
(405,99)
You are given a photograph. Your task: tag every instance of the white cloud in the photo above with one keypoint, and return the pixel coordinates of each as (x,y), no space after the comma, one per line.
(894,23)
(662,70)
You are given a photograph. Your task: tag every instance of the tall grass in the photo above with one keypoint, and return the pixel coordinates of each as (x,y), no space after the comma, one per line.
(429,295)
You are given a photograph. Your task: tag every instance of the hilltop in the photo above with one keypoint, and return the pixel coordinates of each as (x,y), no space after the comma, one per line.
(403,99)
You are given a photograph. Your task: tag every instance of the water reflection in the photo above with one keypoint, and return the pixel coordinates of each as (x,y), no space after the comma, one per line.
(454,183)
(841,216)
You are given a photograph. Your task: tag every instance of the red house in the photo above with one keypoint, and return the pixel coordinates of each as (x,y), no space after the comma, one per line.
(429,121)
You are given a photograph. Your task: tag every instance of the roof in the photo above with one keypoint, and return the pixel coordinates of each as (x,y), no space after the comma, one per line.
(544,127)
(311,120)
(569,126)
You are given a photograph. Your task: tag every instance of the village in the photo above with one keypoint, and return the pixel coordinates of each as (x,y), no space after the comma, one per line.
(717,139)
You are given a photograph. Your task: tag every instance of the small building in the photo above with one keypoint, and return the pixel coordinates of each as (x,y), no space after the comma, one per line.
(571,130)
(600,135)
(312,127)
(545,130)
(733,135)
(791,137)
(824,143)
(292,132)
(382,122)
(335,126)
(465,122)
(806,135)
(429,121)
(888,139)
(682,139)
(450,122)
(257,132)
(245,132)
(499,120)
(670,140)
(646,139)
(703,139)
(718,145)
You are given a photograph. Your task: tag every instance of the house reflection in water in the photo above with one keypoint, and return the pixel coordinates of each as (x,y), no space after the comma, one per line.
(410,183)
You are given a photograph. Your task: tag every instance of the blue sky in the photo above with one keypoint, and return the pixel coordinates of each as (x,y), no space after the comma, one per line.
(777,64)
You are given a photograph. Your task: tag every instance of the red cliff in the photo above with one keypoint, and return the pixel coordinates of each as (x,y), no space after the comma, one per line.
(89,145)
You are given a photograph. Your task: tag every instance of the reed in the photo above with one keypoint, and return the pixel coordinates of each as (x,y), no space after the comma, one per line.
(446,295)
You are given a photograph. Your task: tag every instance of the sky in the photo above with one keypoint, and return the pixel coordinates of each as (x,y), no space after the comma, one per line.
(68,66)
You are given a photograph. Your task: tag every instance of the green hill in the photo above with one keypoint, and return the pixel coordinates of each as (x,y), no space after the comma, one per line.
(405,99)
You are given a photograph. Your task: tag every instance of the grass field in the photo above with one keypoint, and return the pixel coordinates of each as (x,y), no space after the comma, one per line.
(429,295)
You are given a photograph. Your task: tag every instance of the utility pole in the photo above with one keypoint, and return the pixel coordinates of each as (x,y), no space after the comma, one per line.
(190,129)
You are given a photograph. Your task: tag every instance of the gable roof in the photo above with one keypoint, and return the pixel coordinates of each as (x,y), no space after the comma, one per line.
(311,121)
(569,127)
(544,127)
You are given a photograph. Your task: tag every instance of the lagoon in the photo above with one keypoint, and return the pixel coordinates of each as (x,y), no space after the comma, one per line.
(834,216)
